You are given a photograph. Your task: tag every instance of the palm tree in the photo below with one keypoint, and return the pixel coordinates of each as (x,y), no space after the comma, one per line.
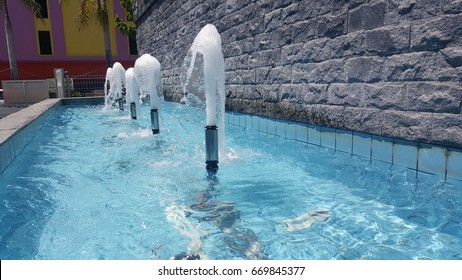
(96,9)
(31,5)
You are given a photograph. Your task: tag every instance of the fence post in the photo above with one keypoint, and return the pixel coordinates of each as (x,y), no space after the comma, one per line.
(59,76)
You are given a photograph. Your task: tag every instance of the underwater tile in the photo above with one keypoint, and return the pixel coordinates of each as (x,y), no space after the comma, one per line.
(403,175)
(291,130)
(248,121)
(454,168)
(328,137)
(9,155)
(3,160)
(362,144)
(256,123)
(271,127)
(231,118)
(405,153)
(314,134)
(227,117)
(301,131)
(280,127)
(344,141)
(242,120)
(263,125)
(14,145)
(382,148)
(432,159)
(236,119)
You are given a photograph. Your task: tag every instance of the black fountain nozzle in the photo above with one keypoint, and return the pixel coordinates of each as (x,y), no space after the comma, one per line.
(155,121)
(133,110)
(211,149)
(121,104)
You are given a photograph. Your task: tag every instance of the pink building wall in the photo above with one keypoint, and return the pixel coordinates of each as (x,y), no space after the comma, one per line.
(26,49)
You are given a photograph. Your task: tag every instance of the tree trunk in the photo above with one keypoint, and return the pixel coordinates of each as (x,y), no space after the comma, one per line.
(10,44)
(107,44)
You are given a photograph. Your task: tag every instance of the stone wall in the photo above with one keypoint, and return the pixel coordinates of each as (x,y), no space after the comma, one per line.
(387,67)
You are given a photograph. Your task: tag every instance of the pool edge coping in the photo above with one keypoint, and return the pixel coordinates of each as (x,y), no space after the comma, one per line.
(18,128)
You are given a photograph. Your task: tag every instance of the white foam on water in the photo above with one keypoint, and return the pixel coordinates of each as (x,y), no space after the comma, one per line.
(142,133)
(176,215)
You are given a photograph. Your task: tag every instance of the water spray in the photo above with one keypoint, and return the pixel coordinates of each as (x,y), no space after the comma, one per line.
(132,91)
(205,51)
(118,84)
(148,75)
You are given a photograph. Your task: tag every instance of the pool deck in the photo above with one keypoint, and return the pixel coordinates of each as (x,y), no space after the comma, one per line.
(5,111)
(17,118)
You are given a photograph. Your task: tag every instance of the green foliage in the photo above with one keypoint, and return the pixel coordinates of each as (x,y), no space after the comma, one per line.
(126,27)
(29,4)
(90,9)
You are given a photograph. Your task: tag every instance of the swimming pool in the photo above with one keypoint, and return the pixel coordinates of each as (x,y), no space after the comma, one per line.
(94,184)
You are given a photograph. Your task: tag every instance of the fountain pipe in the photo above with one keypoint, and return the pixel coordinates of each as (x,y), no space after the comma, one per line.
(155,121)
(133,110)
(121,104)
(211,148)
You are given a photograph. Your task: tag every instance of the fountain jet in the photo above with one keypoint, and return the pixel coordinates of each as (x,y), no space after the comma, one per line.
(132,92)
(148,75)
(207,45)
(118,83)
(107,88)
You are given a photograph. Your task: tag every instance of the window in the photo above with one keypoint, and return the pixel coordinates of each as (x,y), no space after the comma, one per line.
(44,8)
(44,38)
(133,48)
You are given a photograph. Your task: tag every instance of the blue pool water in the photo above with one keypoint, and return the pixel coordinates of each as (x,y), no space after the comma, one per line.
(94,184)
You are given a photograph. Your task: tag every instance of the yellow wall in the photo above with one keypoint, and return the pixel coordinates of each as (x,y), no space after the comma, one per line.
(88,41)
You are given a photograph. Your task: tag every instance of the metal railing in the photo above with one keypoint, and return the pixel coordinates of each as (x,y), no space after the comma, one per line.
(86,85)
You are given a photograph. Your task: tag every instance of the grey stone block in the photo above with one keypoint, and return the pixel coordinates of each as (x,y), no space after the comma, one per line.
(242,77)
(343,94)
(292,14)
(332,25)
(317,50)
(452,7)
(329,71)
(388,40)
(270,57)
(348,45)
(364,69)
(453,56)
(437,33)
(302,72)
(409,10)
(367,16)
(311,10)
(304,31)
(292,53)
(417,66)
(269,93)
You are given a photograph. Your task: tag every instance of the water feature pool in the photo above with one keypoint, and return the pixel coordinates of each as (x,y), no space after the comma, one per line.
(94,184)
